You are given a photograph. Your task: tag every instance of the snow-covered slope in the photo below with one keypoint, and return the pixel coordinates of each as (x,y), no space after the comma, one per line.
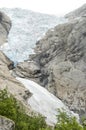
(27,27)
(43,101)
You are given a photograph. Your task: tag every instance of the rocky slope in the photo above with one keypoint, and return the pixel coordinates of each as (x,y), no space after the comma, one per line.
(6,124)
(6,79)
(77,13)
(60,63)
(9,82)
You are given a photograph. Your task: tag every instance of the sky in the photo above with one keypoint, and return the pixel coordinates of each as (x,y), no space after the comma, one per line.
(57,7)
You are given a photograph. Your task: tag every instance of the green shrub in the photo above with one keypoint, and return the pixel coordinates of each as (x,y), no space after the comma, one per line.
(11,109)
(83,121)
(66,122)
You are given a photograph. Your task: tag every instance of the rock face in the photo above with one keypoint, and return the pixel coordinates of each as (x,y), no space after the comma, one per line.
(5,25)
(8,81)
(6,124)
(61,56)
(77,13)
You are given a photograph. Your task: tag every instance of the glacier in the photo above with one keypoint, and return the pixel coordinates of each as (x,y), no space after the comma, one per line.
(27,28)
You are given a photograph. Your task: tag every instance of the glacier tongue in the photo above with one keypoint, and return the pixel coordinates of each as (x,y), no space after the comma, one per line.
(27,28)
(43,101)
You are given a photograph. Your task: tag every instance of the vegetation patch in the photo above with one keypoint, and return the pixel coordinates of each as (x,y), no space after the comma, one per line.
(11,109)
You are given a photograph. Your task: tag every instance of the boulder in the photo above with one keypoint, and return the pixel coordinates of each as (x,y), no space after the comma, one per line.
(6,124)
(27,69)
